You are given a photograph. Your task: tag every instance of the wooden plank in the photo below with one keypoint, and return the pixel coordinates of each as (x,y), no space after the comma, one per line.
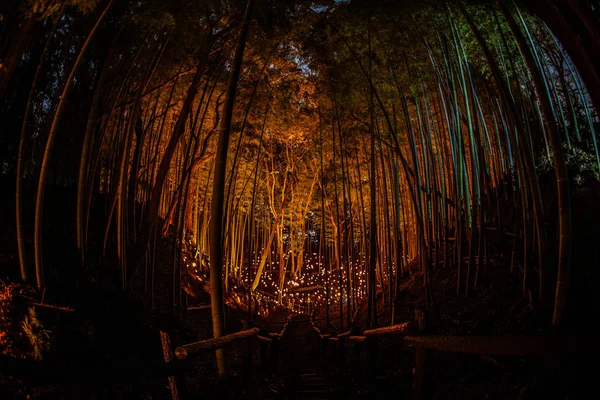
(193,349)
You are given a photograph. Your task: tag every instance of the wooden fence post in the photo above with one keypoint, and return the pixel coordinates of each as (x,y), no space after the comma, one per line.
(419,373)
(356,352)
(342,347)
(274,356)
(264,354)
(372,349)
(176,382)
(324,343)
(248,364)
(357,342)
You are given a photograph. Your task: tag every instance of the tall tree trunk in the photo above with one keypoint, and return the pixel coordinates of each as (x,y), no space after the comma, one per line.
(156,194)
(216,226)
(20,162)
(322,231)
(562,179)
(525,147)
(85,149)
(39,201)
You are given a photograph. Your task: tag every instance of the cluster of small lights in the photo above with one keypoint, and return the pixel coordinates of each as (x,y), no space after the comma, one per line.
(303,292)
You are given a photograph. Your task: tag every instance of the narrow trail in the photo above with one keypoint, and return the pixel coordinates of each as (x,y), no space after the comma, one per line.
(306,371)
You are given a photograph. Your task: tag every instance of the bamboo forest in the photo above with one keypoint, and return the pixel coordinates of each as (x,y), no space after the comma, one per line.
(294,199)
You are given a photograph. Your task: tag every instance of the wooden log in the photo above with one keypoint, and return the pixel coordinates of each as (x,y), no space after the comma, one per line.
(344,335)
(522,346)
(200,307)
(358,339)
(405,328)
(193,349)
(264,339)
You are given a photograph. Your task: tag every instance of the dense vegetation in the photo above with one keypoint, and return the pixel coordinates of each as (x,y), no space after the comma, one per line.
(330,156)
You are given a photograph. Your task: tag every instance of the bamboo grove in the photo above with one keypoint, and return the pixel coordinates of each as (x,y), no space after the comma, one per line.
(308,154)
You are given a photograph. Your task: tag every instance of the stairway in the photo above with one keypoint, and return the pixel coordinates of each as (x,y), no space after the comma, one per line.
(307,373)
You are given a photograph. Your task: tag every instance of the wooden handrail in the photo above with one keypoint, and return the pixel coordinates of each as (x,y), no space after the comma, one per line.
(264,339)
(200,307)
(359,339)
(402,329)
(523,346)
(193,349)
(516,346)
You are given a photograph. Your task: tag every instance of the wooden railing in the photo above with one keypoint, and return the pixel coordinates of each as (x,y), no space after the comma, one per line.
(367,342)
(176,364)
(268,348)
(511,346)
(203,346)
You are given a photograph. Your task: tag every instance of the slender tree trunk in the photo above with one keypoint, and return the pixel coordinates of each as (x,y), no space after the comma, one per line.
(39,203)
(562,179)
(20,162)
(85,150)
(216,227)
(153,207)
